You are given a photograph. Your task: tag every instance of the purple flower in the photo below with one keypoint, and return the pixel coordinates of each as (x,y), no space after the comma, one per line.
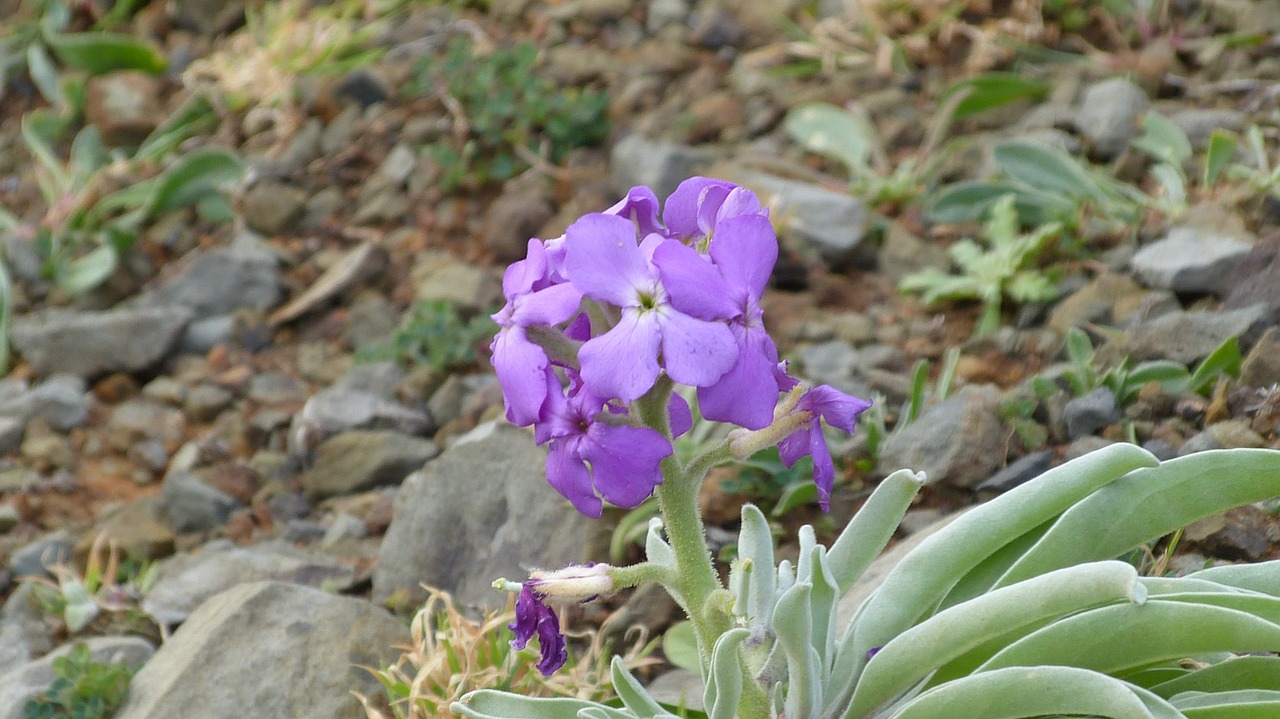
(839,410)
(605,263)
(519,363)
(744,252)
(533,616)
(700,203)
(596,453)
(641,207)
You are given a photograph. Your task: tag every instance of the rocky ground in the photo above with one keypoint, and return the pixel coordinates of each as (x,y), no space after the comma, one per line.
(257,400)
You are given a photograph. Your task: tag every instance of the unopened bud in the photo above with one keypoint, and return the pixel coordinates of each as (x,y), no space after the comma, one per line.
(572,584)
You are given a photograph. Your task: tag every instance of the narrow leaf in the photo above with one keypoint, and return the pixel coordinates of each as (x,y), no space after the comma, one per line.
(1222,150)
(101,52)
(872,527)
(199,173)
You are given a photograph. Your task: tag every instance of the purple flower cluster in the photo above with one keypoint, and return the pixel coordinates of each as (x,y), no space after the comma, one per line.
(593,319)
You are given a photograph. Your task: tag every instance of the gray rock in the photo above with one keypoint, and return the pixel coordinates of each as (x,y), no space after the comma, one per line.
(959,441)
(1161,449)
(60,401)
(1091,412)
(1261,367)
(380,379)
(481,510)
(193,506)
(24,633)
(234,650)
(220,281)
(90,344)
(1108,114)
(518,214)
(1199,122)
(21,684)
(35,558)
(209,17)
(1111,299)
(1241,533)
(276,388)
(662,13)
(124,105)
(440,275)
(1084,445)
(1190,336)
(205,401)
(341,408)
(1257,278)
(1254,16)
(380,202)
(815,220)
(660,165)
(207,333)
(1190,259)
(1199,442)
(1021,471)
(903,253)
(12,430)
(185,581)
(1235,434)
(274,208)
(833,362)
(140,419)
(398,164)
(363,459)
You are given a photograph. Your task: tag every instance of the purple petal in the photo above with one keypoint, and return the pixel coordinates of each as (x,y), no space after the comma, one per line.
(694,285)
(579,330)
(824,471)
(740,201)
(794,446)
(521,367)
(709,207)
(839,409)
(679,415)
(625,461)
(551,306)
(696,352)
(528,612)
(745,249)
(552,644)
(622,362)
(521,276)
(640,206)
(747,394)
(681,210)
(569,476)
(603,260)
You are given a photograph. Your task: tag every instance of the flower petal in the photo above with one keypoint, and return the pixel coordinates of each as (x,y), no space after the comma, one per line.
(603,260)
(569,476)
(839,409)
(622,362)
(824,471)
(696,352)
(521,276)
(679,415)
(551,306)
(551,643)
(681,210)
(640,206)
(694,286)
(747,394)
(739,202)
(520,366)
(745,249)
(625,461)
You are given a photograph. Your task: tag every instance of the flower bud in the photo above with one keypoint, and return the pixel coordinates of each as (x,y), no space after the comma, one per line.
(573,584)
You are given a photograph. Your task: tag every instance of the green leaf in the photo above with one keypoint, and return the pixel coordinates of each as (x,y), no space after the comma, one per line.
(1149,503)
(1162,139)
(1117,638)
(825,129)
(1242,704)
(1225,359)
(680,645)
(724,682)
(189,179)
(755,546)
(44,75)
(964,201)
(1250,672)
(793,621)
(923,577)
(1261,577)
(1044,168)
(1221,151)
(1171,182)
(631,692)
(87,271)
(910,657)
(194,115)
(101,52)
(992,90)
(492,704)
(1036,691)
(794,495)
(866,535)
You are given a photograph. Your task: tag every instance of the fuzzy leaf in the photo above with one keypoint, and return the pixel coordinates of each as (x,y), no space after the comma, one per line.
(824,129)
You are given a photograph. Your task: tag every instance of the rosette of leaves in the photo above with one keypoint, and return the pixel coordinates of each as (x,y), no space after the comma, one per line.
(83,689)
(1017,608)
(988,274)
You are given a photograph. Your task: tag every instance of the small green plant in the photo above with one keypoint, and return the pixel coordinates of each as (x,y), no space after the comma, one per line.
(1048,186)
(108,584)
(989,274)
(1125,379)
(452,654)
(34,41)
(1263,175)
(83,689)
(434,334)
(506,116)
